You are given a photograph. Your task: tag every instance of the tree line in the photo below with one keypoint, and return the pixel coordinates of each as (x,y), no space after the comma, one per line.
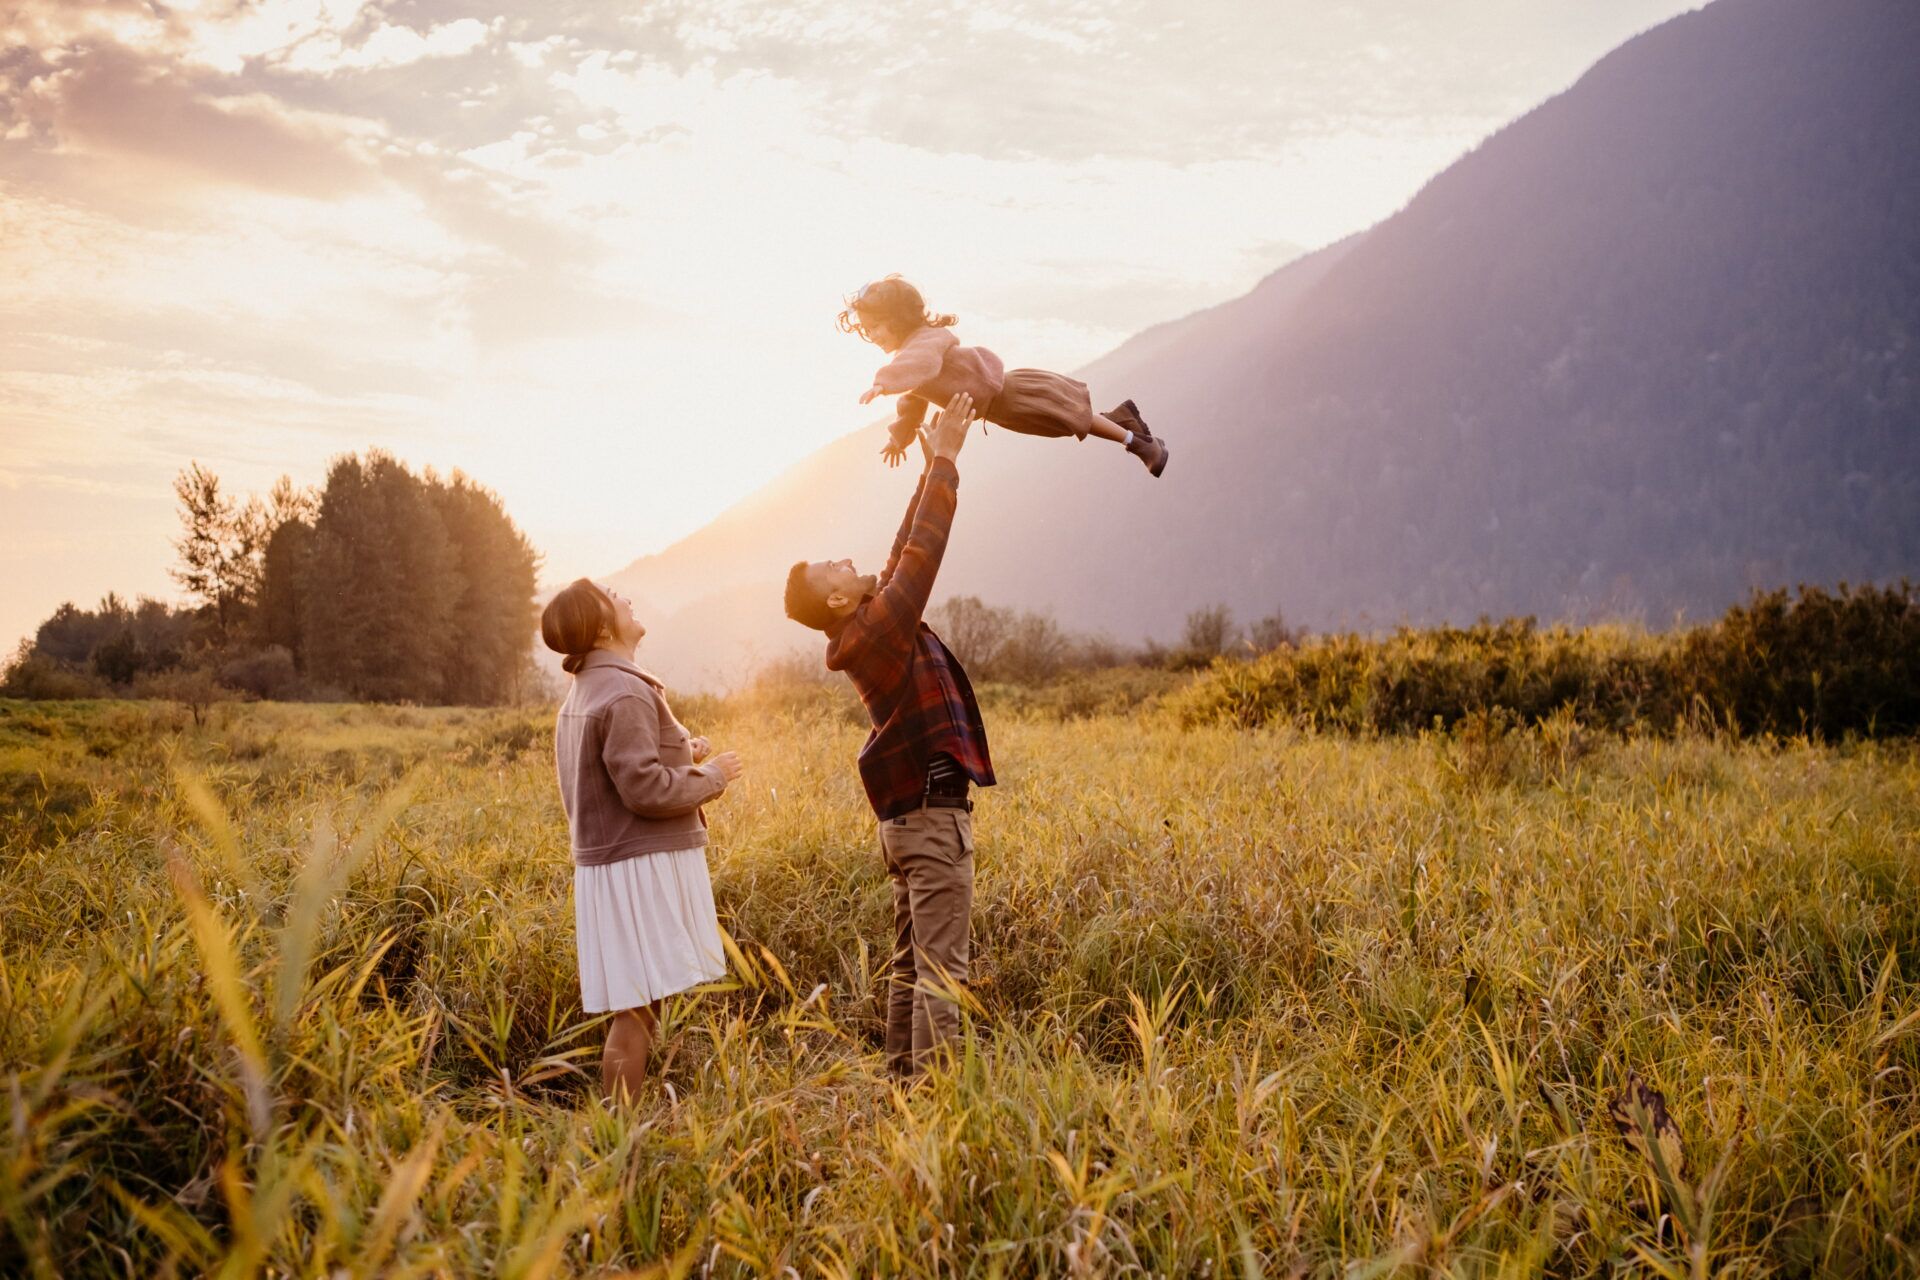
(380,585)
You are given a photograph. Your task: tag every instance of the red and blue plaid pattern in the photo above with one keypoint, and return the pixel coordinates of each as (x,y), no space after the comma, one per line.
(915,691)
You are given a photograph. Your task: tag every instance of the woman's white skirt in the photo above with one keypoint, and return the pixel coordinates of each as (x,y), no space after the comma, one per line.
(645,928)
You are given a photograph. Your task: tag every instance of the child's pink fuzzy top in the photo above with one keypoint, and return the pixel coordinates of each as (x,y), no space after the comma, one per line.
(933,365)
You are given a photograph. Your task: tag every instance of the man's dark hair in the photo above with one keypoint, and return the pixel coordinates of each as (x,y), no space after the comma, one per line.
(805,604)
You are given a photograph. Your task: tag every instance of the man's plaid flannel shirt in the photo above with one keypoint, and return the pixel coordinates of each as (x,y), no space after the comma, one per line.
(915,691)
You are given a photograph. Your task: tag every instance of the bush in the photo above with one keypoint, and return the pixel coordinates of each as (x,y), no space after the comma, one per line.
(796,684)
(1209,632)
(192,687)
(33,676)
(1823,664)
(267,673)
(1272,632)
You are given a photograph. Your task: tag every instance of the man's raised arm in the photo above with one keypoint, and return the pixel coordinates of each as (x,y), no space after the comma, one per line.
(906,524)
(907,583)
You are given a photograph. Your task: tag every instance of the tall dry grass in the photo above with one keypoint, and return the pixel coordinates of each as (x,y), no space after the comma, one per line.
(293,993)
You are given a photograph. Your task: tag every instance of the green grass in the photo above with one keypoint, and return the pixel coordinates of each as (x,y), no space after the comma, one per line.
(294,992)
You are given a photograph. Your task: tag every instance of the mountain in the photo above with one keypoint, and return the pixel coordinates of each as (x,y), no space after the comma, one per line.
(1652,344)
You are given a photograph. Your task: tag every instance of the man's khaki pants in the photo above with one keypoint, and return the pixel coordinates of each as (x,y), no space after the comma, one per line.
(929,856)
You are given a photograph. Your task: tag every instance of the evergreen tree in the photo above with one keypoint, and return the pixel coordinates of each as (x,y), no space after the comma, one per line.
(496,567)
(282,615)
(382,583)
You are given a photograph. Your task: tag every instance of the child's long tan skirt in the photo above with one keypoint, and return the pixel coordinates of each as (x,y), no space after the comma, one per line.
(1037,402)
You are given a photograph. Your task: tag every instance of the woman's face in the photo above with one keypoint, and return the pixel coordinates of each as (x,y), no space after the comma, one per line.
(626,629)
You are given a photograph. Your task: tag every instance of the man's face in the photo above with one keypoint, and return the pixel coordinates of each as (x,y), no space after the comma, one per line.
(838,584)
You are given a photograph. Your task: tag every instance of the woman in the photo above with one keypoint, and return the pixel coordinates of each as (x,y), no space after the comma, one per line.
(632,780)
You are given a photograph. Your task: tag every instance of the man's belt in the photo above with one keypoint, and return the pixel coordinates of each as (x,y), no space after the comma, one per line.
(950,802)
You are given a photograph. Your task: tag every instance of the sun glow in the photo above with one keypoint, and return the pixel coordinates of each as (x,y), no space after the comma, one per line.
(594,263)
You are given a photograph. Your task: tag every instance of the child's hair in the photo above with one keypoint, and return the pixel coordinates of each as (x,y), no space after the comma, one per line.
(573,619)
(894,301)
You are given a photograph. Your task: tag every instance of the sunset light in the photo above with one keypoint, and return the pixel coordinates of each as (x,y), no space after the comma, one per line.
(589,253)
(1100,639)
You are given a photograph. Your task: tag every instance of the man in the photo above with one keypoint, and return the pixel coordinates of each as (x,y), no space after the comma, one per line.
(926,746)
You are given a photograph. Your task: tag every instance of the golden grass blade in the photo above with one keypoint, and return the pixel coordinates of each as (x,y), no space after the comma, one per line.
(225,983)
(218,825)
(324,874)
(183,1236)
(397,1202)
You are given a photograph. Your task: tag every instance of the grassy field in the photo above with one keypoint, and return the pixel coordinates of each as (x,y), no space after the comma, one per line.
(293,993)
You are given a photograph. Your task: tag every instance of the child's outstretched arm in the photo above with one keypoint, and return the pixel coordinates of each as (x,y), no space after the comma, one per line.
(917,361)
(906,425)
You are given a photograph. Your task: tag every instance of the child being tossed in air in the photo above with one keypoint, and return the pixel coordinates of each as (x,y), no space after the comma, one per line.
(929,366)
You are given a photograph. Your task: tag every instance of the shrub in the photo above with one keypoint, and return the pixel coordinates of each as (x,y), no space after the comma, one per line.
(1208,633)
(267,673)
(192,687)
(33,676)
(1823,664)
(1272,632)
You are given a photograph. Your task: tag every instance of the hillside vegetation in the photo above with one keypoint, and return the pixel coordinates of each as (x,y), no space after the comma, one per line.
(1829,664)
(294,991)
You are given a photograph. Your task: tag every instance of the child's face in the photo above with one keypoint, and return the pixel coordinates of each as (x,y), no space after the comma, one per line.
(879,332)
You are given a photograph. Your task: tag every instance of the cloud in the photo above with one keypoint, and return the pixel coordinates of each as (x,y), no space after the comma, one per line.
(389,46)
(589,250)
(105,100)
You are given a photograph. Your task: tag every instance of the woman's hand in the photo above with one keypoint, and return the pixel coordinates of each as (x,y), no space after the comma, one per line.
(701,749)
(727,765)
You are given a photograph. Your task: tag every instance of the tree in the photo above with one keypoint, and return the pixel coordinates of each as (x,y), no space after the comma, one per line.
(282,615)
(381,585)
(116,642)
(974,630)
(72,634)
(219,546)
(192,687)
(1035,650)
(496,567)
(287,501)
(1272,632)
(1208,632)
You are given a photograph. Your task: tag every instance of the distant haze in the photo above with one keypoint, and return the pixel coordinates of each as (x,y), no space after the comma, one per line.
(588,252)
(1653,345)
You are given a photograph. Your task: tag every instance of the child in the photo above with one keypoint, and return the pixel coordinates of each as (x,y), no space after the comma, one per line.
(930,366)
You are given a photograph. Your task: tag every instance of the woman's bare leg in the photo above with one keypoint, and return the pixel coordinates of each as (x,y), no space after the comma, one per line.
(623,1064)
(1106,428)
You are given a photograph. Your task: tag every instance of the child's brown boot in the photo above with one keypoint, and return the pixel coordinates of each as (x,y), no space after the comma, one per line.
(1144,446)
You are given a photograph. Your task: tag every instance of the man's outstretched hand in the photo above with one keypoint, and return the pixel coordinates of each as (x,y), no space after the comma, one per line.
(950,427)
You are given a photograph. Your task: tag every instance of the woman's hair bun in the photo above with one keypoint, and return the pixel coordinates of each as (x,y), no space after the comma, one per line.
(573,620)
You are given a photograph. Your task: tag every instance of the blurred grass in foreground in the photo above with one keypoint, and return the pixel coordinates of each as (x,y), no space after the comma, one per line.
(294,992)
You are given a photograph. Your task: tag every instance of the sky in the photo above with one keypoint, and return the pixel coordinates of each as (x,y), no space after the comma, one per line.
(589,252)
